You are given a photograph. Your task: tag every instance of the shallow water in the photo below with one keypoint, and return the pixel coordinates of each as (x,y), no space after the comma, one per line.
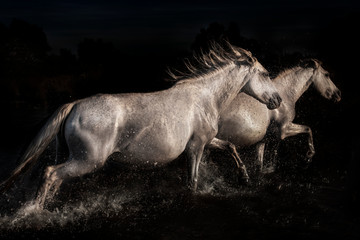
(120,201)
(117,197)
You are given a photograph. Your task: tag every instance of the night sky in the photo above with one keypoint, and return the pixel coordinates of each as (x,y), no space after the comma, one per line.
(170,24)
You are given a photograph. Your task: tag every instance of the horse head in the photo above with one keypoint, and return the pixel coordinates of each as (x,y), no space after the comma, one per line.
(322,81)
(259,85)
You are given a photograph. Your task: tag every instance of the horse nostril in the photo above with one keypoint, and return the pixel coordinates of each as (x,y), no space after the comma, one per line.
(271,104)
(337,96)
(277,98)
(328,93)
(274,101)
(338,92)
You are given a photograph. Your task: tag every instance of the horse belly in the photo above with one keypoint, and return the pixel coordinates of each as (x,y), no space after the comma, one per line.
(153,147)
(244,129)
(248,137)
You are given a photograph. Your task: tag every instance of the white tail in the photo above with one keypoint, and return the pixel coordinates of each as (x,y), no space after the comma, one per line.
(39,144)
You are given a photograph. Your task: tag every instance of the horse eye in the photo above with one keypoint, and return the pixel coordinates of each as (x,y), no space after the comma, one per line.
(327,75)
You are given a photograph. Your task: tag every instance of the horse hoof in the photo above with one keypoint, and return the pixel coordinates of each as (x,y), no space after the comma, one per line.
(244,181)
(192,187)
(309,155)
(268,170)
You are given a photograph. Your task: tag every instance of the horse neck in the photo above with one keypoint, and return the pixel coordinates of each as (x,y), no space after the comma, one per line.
(225,85)
(294,82)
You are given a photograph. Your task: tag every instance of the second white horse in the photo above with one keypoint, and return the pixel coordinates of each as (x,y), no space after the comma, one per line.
(246,121)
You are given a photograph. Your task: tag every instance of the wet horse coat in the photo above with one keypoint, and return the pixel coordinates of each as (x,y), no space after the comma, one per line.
(150,128)
(245,121)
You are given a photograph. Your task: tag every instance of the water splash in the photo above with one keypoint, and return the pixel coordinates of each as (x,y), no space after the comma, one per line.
(29,216)
(151,193)
(213,181)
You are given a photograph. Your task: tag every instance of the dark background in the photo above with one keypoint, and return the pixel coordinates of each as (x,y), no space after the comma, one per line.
(53,52)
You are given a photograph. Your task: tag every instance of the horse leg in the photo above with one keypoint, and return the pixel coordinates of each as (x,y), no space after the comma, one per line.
(49,179)
(55,175)
(230,148)
(292,129)
(194,152)
(62,151)
(260,147)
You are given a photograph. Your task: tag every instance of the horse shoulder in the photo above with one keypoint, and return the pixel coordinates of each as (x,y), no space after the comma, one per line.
(247,109)
(284,114)
(245,121)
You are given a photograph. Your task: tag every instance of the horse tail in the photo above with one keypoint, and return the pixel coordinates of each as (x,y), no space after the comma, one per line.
(39,144)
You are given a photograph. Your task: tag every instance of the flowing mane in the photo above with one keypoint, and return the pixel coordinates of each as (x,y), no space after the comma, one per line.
(285,73)
(205,64)
(293,80)
(306,63)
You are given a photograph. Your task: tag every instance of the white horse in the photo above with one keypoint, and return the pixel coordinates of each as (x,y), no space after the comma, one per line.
(245,121)
(149,128)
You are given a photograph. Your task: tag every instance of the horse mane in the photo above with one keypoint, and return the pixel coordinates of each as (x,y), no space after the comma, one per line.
(310,63)
(285,72)
(304,63)
(203,64)
(287,78)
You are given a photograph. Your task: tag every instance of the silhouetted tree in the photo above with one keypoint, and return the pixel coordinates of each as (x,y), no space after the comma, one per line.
(218,32)
(96,52)
(214,32)
(23,50)
(268,53)
(100,63)
(28,73)
(63,63)
(29,35)
(26,47)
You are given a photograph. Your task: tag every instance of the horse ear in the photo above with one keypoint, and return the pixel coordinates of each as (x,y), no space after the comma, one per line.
(308,63)
(247,61)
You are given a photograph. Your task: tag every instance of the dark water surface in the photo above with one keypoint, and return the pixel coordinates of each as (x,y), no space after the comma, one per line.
(297,201)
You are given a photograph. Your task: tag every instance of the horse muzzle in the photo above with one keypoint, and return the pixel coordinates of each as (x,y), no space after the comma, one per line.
(274,101)
(336,96)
